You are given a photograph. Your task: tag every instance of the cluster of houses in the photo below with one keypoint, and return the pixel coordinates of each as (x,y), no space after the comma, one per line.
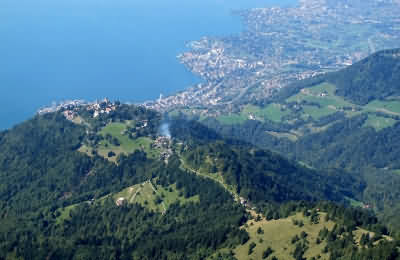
(71,107)
(163,144)
(98,107)
(70,114)
(243,201)
(101,107)
(66,105)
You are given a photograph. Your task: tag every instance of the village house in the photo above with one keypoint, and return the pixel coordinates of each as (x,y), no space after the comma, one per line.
(120,202)
(243,201)
(69,115)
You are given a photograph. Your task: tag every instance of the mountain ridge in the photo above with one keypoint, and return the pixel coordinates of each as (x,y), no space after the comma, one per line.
(327,125)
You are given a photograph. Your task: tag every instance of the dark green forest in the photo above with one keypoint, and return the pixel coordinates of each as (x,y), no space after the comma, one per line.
(375,77)
(260,175)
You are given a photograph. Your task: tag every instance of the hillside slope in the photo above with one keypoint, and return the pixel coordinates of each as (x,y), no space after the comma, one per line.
(375,77)
(112,187)
(347,120)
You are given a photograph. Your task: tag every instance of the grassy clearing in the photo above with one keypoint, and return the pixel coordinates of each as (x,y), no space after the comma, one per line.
(387,106)
(277,234)
(316,112)
(355,203)
(154,197)
(324,95)
(359,232)
(289,136)
(147,194)
(397,171)
(85,149)
(126,145)
(318,129)
(251,109)
(378,122)
(273,112)
(232,119)
(328,103)
(64,214)
(321,101)
(171,195)
(323,87)
(117,130)
(142,143)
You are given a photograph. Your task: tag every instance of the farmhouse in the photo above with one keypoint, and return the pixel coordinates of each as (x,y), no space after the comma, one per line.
(120,201)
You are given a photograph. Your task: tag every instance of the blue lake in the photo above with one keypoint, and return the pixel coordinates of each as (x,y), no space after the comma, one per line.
(88,49)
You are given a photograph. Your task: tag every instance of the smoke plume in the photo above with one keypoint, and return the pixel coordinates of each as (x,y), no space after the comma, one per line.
(164,130)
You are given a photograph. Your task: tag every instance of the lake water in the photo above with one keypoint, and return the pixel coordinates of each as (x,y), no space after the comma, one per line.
(88,49)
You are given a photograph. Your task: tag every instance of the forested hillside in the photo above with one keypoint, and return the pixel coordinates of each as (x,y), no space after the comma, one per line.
(113,186)
(260,175)
(347,120)
(55,203)
(376,77)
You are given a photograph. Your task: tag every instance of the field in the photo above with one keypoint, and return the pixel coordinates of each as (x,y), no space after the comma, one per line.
(355,203)
(125,145)
(386,106)
(273,112)
(324,95)
(277,234)
(378,122)
(316,102)
(232,119)
(152,196)
(316,112)
(149,195)
(397,171)
(290,136)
